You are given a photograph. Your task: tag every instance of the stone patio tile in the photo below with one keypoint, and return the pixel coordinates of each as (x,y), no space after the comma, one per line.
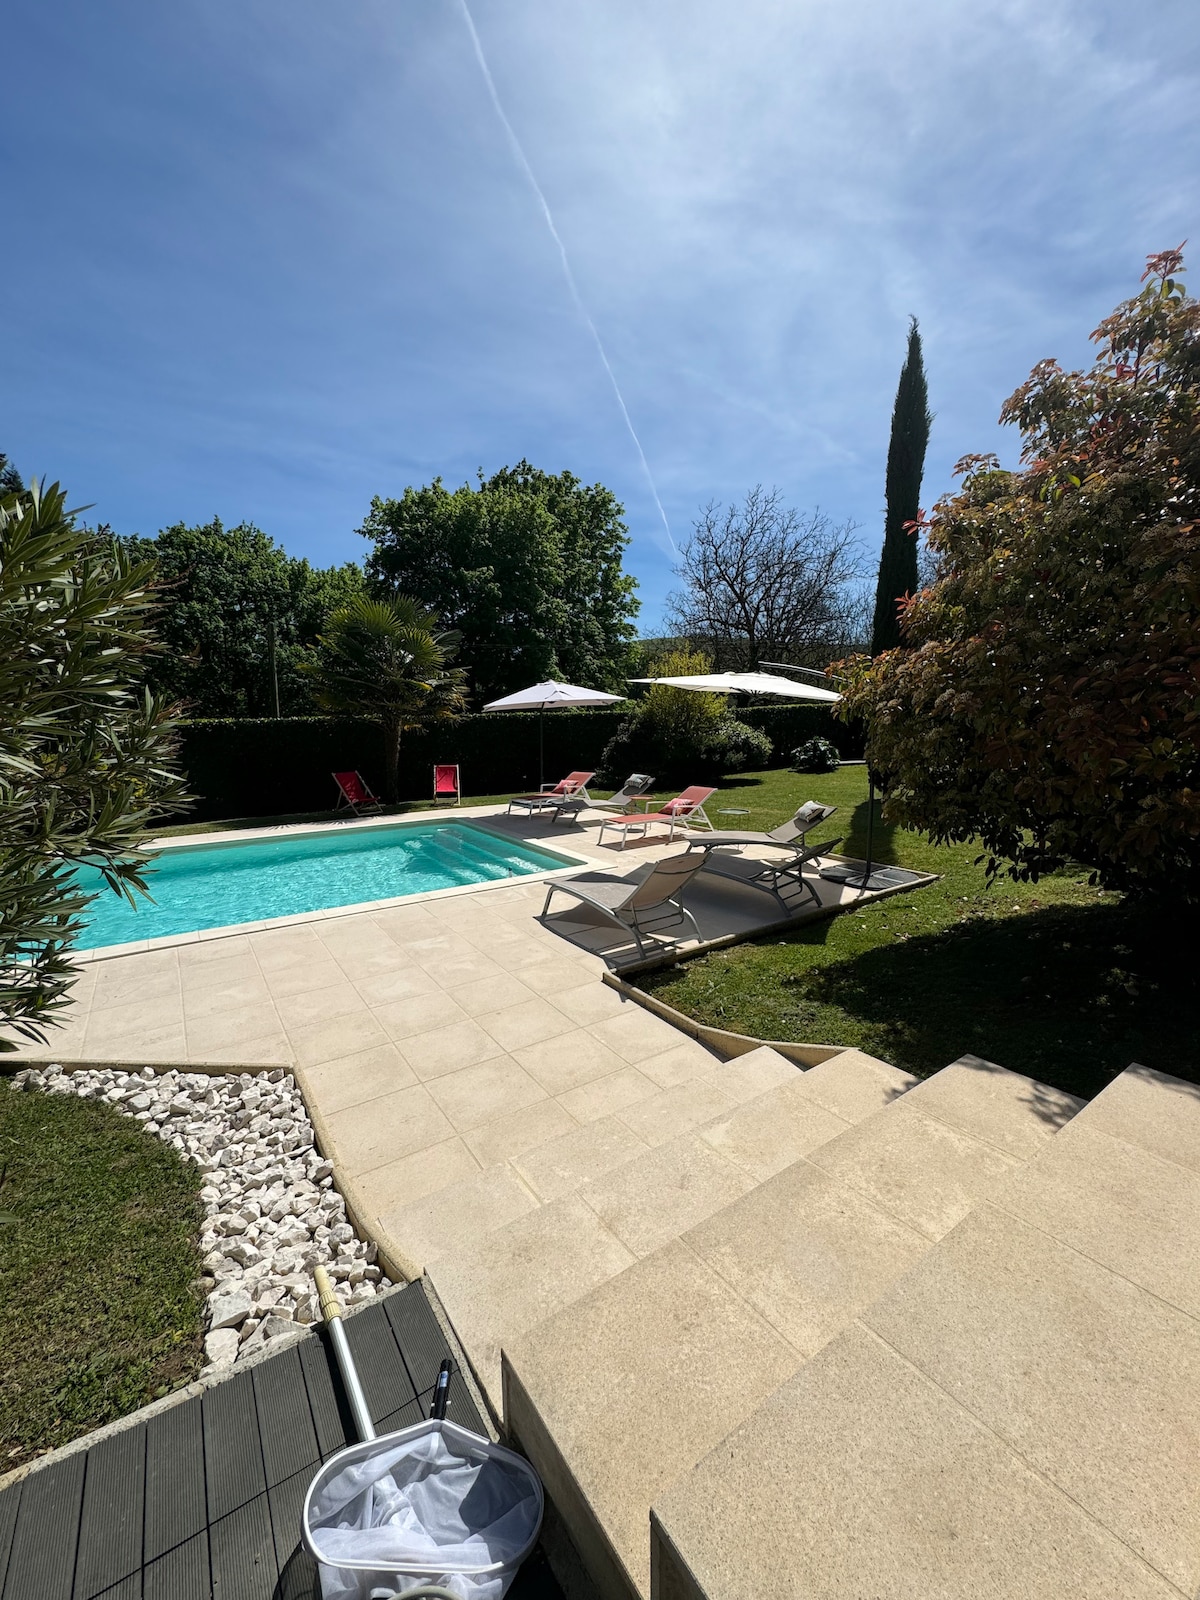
(528,1022)
(228,1028)
(121,981)
(479,1094)
(400,982)
(859,1465)
(512,1134)
(398,1183)
(349,934)
(213,973)
(577,1156)
(472,967)
(308,1007)
(521,1274)
(136,1016)
(337,1037)
(436,950)
(1129,1210)
(807,1252)
(270,1050)
(1015,1113)
(419,1013)
(923,1172)
(682,1063)
(377,960)
(565,1062)
(768,1134)
(746,1077)
(456,1216)
(520,957)
(855,1085)
(449,1049)
(316,971)
(276,949)
(404,922)
(636,1034)
(673,1111)
(149,1041)
(353,1079)
(634,1382)
(233,944)
(382,1129)
(590,1002)
(250,989)
(660,1194)
(1094,1381)
(490,994)
(605,1096)
(1154,1110)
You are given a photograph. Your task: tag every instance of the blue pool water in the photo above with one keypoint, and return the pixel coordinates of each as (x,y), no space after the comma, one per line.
(214,885)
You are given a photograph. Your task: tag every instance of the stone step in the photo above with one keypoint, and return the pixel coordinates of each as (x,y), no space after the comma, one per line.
(621,1392)
(611,1197)
(1017,1417)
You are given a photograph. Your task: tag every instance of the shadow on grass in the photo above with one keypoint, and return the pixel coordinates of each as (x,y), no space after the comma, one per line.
(1069,995)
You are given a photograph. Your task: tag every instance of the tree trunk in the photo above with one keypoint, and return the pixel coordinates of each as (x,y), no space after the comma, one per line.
(911,421)
(391,762)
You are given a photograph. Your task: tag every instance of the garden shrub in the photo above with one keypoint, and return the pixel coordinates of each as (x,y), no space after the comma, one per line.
(815,755)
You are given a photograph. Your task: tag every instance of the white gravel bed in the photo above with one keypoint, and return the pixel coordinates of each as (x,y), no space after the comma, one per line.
(271,1209)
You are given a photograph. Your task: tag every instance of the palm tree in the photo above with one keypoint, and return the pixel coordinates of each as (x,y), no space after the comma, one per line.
(387,660)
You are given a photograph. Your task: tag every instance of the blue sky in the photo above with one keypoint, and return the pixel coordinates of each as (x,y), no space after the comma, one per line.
(267,259)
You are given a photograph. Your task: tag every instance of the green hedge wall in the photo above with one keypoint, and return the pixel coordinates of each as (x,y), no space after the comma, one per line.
(259,767)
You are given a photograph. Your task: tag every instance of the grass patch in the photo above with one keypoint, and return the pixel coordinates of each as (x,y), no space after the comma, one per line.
(100,1302)
(295,819)
(1054,979)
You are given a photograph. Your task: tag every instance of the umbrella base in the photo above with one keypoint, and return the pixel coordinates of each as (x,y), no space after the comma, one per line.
(874,880)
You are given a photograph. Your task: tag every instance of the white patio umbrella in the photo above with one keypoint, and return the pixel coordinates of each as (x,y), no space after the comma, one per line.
(746,683)
(551,696)
(766,683)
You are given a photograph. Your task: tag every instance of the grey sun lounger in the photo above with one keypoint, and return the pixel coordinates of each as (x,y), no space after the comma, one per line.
(651,905)
(635,785)
(782,878)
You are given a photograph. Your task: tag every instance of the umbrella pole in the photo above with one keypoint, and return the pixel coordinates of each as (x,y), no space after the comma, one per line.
(541,746)
(866,877)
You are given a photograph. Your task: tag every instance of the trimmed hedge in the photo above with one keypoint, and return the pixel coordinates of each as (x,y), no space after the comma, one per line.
(260,767)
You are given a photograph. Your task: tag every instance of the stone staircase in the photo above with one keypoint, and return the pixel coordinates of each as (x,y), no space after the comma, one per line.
(622,1188)
(928,1345)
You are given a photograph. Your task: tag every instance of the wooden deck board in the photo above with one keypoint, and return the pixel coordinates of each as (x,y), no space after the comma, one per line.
(203,1500)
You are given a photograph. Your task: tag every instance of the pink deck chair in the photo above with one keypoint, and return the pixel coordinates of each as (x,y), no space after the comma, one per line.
(564,798)
(353,792)
(685,811)
(446,785)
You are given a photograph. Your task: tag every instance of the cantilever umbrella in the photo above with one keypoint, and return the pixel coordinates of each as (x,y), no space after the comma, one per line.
(551,696)
(853,877)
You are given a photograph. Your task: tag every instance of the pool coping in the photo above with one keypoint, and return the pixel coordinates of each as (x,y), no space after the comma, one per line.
(573,862)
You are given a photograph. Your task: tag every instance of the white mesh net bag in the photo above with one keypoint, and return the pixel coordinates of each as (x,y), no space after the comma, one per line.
(434,1505)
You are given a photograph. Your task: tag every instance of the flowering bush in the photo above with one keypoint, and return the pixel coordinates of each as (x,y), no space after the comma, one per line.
(1047,700)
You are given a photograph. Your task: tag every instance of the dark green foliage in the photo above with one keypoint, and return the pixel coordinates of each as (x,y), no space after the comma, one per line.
(676,756)
(388,661)
(11,481)
(815,755)
(911,422)
(86,756)
(227,592)
(526,567)
(100,1302)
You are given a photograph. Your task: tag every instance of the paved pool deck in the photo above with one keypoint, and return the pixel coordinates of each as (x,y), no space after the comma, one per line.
(443,1041)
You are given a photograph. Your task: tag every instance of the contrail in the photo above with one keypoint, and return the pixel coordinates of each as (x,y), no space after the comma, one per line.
(523,163)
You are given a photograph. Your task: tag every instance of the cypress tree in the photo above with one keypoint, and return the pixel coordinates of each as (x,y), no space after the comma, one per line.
(911,420)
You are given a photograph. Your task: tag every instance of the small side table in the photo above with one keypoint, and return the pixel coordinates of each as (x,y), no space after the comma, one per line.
(734,811)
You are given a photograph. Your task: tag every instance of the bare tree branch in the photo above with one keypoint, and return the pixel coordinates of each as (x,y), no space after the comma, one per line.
(762,582)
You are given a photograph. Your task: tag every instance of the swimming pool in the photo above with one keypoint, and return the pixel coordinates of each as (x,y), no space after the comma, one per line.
(198,886)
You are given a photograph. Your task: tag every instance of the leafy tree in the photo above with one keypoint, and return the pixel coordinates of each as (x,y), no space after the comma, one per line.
(525,566)
(387,660)
(1049,700)
(10,479)
(86,754)
(761,583)
(911,422)
(683,733)
(238,615)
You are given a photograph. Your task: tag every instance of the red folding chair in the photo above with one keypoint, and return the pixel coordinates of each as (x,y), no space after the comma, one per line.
(446,785)
(353,792)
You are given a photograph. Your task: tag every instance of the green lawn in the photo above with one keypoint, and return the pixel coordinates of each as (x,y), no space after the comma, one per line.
(228,824)
(1054,979)
(100,1301)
